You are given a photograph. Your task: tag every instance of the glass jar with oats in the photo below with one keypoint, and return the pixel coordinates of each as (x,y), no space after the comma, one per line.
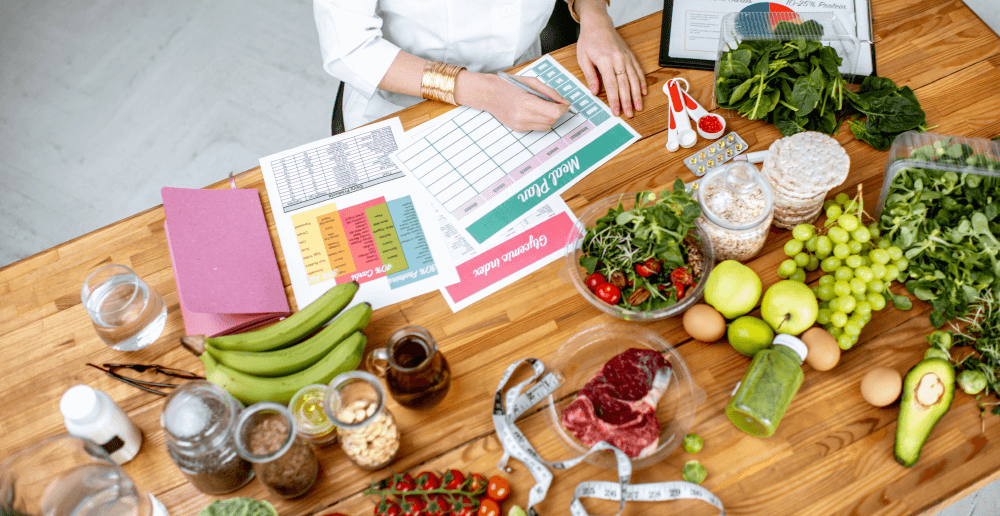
(737,204)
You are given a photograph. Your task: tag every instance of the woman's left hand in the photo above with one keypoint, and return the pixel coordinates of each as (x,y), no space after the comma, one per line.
(604,56)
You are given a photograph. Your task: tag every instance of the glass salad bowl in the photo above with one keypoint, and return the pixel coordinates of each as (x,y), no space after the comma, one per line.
(578,274)
(583,355)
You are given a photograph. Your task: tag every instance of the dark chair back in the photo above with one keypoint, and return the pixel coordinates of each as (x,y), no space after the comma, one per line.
(560,31)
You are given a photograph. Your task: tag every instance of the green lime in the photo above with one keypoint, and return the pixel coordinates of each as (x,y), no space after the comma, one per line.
(748,335)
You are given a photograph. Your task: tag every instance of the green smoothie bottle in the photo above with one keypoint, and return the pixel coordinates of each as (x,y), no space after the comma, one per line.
(768,386)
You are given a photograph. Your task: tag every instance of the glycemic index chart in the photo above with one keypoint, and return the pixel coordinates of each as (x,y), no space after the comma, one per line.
(485,176)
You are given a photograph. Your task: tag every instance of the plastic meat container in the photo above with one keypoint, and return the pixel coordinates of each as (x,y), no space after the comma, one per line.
(740,26)
(907,149)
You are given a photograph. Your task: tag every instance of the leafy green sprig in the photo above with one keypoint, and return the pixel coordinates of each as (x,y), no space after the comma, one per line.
(655,227)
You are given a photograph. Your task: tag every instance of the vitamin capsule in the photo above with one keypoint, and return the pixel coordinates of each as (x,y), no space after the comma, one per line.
(711,163)
(694,160)
(718,157)
(701,155)
(711,150)
(730,138)
(729,153)
(701,169)
(739,146)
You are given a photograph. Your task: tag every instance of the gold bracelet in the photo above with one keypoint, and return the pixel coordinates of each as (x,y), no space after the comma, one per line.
(572,9)
(438,81)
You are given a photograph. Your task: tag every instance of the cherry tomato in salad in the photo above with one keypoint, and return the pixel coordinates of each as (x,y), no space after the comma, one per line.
(427,480)
(387,508)
(609,294)
(595,280)
(499,489)
(648,268)
(477,484)
(680,290)
(488,507)
(681,275)
(453,479)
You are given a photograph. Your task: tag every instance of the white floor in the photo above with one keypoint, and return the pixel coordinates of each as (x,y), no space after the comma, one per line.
(103,102)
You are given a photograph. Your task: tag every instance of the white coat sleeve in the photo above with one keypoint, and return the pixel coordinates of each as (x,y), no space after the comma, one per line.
(350,41)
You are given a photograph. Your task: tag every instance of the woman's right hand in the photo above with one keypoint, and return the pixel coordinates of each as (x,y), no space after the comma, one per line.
(513,107)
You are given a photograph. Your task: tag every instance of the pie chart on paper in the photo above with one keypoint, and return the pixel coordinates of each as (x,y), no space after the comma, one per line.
(778,12)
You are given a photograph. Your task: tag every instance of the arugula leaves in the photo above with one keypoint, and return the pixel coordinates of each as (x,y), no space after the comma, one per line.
(948,225)
(795,84)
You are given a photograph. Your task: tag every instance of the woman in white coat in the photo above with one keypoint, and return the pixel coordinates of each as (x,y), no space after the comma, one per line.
(393,53)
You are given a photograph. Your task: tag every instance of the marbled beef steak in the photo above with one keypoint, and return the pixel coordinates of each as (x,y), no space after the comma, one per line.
(618,405)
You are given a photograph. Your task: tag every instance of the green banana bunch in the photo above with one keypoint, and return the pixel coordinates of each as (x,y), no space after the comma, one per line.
(251,389)
(295,358)
(294,327)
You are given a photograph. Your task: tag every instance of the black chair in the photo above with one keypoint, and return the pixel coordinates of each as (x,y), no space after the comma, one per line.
(560,31)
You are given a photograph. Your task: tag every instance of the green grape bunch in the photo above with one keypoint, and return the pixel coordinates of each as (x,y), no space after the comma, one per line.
(859,267)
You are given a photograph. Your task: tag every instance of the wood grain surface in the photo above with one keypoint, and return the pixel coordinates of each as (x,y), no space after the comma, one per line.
(832,453)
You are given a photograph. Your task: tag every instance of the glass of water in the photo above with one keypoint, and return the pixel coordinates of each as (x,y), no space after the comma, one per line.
(66,475)
(127,313)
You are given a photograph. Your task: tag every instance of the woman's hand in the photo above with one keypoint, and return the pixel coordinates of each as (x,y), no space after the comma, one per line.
(513,107)
(605,57)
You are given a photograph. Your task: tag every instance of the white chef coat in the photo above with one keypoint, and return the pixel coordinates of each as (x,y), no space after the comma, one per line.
(360,38)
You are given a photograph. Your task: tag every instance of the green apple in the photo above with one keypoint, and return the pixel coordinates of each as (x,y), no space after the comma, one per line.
(789,307)
(748,335)
(732,288)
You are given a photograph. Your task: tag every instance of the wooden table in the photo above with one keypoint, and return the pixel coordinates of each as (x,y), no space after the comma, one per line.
(832,453)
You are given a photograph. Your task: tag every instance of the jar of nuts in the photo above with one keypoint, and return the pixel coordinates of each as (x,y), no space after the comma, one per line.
(355,403)
(736,210)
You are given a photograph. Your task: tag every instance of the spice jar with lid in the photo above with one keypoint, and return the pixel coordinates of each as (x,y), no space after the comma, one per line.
(283,461)
(736,210)
(355,403)
(198,420)
(311,422)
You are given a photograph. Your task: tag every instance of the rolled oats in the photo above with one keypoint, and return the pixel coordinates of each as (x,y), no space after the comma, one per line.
(737,210)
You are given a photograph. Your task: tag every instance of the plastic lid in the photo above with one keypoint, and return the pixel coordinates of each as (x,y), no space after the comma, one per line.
(80,404)
(791,341)
(736,196)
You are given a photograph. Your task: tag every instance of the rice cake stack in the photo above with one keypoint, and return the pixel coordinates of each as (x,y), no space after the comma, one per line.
(802,169)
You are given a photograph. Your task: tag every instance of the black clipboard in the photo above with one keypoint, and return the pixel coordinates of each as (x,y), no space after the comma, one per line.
(709,64)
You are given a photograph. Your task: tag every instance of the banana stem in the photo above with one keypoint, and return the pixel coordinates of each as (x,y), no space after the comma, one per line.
(194,343)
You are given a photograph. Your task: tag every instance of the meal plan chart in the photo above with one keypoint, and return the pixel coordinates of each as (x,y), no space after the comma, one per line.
(485,176)
(346,212)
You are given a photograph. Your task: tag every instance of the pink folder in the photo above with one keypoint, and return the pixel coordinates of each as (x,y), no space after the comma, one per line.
(224,265)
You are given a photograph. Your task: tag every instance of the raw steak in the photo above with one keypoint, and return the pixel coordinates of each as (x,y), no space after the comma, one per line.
(618,405)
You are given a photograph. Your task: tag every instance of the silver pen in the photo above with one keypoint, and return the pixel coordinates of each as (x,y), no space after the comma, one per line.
(511,79)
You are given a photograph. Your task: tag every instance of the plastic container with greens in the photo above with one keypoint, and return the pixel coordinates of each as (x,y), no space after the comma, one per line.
(940,204)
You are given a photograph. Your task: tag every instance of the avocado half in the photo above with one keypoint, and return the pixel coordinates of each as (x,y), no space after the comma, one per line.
(928,390)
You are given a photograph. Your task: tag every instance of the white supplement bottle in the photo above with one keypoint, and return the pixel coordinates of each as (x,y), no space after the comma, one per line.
(92,414)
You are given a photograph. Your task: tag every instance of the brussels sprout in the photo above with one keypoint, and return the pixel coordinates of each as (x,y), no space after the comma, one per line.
(972,382)
(694,472)
(937,353)
(940,339)
(693,443)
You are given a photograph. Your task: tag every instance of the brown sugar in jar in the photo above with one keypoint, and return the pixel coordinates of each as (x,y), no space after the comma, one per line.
(283,461)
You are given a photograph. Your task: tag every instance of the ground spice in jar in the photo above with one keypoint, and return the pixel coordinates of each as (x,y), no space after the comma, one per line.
(294,472)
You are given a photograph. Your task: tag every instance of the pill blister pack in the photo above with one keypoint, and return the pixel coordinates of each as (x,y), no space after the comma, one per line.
(719,152)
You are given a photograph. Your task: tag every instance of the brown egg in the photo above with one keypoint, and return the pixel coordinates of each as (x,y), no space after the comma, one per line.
(881,386)
(824,353)
(704,323)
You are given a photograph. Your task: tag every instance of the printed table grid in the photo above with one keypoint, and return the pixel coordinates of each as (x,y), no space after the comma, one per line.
(329,171)
(472,157)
